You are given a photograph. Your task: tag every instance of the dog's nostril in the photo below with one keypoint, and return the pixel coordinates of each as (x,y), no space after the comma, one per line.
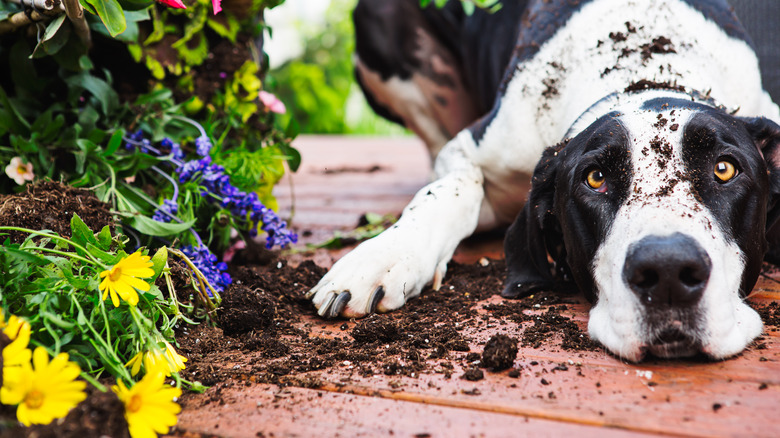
(646,279)
(692,276)
(667,271)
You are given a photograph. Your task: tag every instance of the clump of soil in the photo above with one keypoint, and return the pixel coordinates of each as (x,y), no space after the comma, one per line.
(499,353)
(244,310)
(50,206)
(473,374)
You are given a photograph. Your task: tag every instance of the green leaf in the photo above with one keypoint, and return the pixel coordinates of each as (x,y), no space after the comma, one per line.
(114,142)
(105,257)
(80,232)
(158,261)
(468,8)
(54,37)
(229,30)
(105,94)
(154,292)
(104,238)
(111,14)
(151,227)
(293,156)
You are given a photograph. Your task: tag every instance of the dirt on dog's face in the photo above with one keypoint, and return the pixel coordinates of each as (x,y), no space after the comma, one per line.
(658,210)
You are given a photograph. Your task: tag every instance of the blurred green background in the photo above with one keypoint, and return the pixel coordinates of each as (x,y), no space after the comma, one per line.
(310,44)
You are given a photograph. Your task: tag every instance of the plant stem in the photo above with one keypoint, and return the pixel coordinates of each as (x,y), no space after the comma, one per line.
(94,261)
(93,381)
(108,349)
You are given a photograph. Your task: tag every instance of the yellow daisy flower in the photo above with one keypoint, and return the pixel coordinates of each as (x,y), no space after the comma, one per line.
(16,354)
(18,331)
(169,360)
(124,278)
(45,390)
(150,408)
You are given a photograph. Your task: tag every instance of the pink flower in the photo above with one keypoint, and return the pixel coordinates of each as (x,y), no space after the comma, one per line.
(217,5)
(19,171)
(272,103)
(173,3)
(229,253)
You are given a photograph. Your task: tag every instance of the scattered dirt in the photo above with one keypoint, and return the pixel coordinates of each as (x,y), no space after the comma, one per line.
(500,352)
(50,206)
(661,44)
(644,84)
(353,169)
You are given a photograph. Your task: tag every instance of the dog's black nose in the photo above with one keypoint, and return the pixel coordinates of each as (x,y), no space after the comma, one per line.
(667,271)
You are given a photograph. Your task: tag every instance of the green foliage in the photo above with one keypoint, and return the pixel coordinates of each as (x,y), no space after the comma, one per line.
(76,134)
(52,282)
(316,85)
(468,5)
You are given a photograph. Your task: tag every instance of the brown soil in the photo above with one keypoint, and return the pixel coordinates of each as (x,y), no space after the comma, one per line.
(50,206)
(499,353)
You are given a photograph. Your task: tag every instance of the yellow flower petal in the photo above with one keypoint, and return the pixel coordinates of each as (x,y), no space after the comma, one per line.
(149,405)
(45,391)
(124,278)
(136,283)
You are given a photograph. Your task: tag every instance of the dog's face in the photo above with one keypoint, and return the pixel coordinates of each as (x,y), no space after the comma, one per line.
(658,210)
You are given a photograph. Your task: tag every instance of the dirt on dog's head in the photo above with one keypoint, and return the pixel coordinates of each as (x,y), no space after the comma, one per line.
(659,211)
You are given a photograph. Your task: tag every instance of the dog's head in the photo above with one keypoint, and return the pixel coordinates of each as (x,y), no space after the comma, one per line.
(659,211)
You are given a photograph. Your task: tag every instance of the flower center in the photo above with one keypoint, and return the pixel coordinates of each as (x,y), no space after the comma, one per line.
(115,274)
(22,169)
(135,403)
(34,399)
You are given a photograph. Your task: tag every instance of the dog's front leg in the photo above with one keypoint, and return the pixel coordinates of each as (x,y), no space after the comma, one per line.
(382,273)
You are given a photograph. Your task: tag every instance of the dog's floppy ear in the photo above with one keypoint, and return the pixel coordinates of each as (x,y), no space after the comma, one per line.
(766,136)
(528,239)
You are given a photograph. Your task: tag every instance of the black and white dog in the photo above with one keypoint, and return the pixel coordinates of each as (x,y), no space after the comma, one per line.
(658,198)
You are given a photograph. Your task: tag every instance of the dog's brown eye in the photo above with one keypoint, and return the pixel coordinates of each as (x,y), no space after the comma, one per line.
(596,180)
(725,171)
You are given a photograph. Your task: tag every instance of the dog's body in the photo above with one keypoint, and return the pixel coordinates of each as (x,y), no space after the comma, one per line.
(657,201)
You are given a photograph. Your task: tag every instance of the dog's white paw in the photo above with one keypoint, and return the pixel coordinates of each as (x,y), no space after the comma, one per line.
(379,275)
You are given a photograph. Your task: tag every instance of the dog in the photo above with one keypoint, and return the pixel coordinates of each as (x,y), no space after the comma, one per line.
(651,150)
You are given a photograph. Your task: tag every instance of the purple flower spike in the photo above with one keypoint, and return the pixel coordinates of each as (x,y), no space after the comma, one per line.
(166,211)
(202,145)
(206,262)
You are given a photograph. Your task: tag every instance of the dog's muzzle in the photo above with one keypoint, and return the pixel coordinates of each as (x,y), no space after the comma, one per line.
(667,271)
(669,275)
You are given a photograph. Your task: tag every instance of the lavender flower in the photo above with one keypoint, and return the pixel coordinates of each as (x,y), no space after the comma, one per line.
(203,145)
(215,186)
(166,211)
(208,264)
(174,149)
(242,205)
(136,140)
(188,170)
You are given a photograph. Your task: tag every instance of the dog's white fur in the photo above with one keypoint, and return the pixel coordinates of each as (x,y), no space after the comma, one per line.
(488,176)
